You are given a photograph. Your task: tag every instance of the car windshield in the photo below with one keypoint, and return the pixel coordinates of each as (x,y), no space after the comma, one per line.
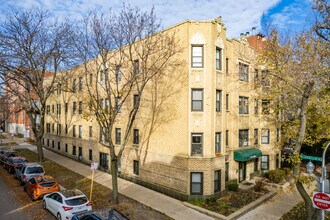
(49,184)
(31,170)
(76,201)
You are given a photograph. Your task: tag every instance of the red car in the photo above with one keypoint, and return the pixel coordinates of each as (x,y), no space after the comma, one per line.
(14,162)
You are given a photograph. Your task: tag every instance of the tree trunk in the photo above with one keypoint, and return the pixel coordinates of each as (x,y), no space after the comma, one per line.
(114,180)
(39,149)
(301,134)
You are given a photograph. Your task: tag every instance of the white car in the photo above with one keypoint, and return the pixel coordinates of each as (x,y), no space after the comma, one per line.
(66,203)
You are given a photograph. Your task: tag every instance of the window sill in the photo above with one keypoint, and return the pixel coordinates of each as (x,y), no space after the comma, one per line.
(218,154)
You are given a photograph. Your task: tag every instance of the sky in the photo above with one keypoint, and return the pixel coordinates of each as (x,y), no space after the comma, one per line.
(239,16)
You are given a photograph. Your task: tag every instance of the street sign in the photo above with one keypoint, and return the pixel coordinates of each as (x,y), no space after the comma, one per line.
(321,201)
(307,157)
(94,166)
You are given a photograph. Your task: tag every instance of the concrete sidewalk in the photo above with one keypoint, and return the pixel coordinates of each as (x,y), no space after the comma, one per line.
(275,208)
(160,202)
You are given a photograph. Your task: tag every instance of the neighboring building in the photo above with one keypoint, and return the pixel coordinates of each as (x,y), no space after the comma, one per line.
(218,128)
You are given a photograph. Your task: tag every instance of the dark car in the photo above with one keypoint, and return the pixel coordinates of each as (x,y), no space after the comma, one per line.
(14,162)
(6,155)
(111,214)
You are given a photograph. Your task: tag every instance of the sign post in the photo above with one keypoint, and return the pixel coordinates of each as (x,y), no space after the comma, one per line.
(94,167)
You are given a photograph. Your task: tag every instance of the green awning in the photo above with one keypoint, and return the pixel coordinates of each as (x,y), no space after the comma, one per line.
(247,154)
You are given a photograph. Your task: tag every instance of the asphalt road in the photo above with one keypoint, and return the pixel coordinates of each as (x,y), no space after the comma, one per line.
(9,210)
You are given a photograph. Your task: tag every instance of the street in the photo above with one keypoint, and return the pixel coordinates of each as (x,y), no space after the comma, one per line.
(8,208)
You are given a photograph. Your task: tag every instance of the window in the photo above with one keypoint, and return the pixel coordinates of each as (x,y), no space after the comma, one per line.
(101,134)
(106,105)
(104,161)
(118,73)
(265,136)
(277,162)
(53,109)
(66,108)
(74,131)
(218,58)
(135,100)
(227,66)
(218,101)
(80,107)
(53,144)
(66,148)
(256,161)
(48,109)
(217,181)
(136,169)
(256,74)
(80,153)
(227,138)
(196,183)
(197,100)
(243,72)
(197,56)
(265,162)
(90,79)
(265,106)
(256,107)
(59,129)
(73,150)
(74,86)
(58,145)
(48,127)
(136,136)
(59,109)
(80,131)
(118,104)
(118,136)
(243,136)
(278,132)
(90,131)
(196,144)
(217,143)
(74,107)
(264,78)
(227,172)
(53,128)
(80,84)
(90,155)
(243,105)
(47,142)
(227,102)
(58,89)
(66,129)
(136,67)
(256,134)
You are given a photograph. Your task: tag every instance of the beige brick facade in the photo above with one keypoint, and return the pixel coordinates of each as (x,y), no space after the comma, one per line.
(165,157)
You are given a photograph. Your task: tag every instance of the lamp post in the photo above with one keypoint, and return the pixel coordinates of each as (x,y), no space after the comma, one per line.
(310,168)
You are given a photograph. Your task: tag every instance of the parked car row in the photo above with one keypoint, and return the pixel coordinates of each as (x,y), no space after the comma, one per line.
(64,204)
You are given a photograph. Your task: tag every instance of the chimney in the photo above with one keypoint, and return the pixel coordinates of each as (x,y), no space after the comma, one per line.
(253,30)
(247,34)
(242,34)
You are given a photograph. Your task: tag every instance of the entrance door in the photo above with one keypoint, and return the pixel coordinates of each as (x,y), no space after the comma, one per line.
(241,171)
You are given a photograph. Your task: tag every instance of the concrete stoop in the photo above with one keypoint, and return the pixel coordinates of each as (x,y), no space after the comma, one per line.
(236,214)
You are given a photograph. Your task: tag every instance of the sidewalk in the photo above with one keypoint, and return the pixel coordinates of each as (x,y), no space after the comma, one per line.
(160,202)
(275,208)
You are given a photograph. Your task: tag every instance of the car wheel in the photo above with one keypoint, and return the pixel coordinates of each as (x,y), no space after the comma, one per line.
(44,204)
(59,216)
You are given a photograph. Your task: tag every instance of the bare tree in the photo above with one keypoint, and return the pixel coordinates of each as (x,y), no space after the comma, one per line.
(322,19)
(34,47)
(299,71)
(123,54)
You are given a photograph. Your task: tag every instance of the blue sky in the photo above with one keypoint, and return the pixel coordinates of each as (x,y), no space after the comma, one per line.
(239,16)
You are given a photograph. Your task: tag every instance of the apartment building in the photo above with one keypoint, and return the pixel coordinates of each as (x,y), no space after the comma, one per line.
(216,127)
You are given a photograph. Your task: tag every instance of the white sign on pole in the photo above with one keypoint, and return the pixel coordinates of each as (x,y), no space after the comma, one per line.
(94,166)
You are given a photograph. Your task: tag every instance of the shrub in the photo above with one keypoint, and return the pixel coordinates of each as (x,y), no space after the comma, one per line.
(276,176)
(259,185)
(287,170)
(233,186)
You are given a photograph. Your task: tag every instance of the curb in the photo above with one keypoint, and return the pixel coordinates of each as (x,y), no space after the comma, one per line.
(236,214)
